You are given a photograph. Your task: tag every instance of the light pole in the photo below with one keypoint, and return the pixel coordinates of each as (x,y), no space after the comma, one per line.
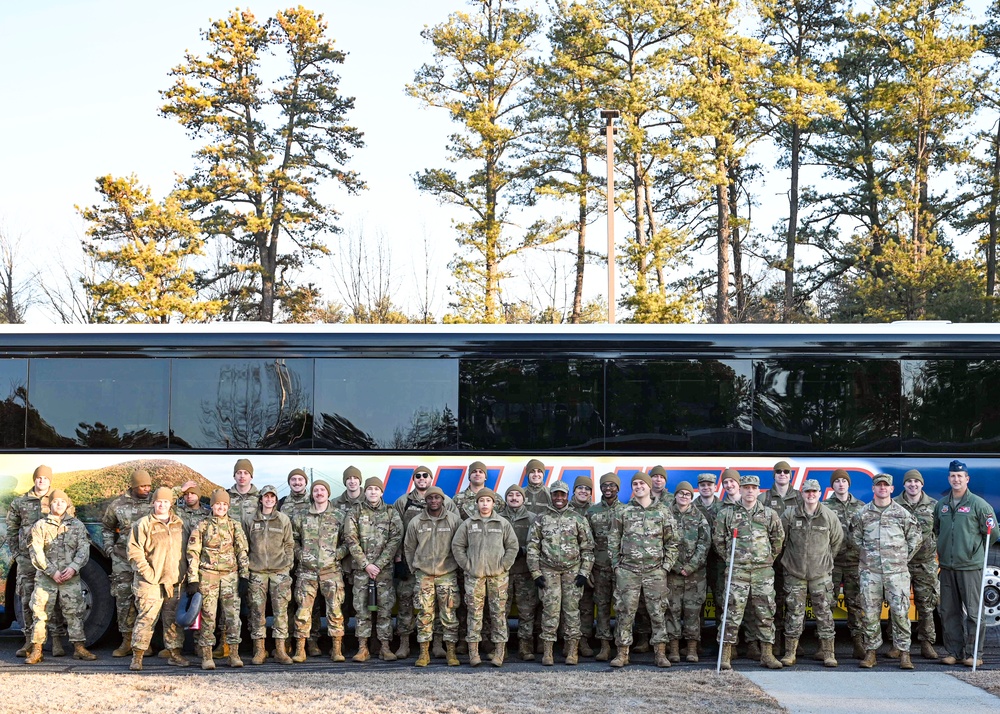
(609,116)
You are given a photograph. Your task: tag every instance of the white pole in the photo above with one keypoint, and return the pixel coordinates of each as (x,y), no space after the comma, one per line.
(725,606)
(982,594)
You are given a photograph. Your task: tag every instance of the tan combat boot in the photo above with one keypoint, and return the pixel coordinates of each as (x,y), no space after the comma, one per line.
(312,647)
(337,652)
(300,650)
(234,657)
(859,648)
(23,650)
(34,655)
(621,659)
(363,655)
(499,650)
(904,661)
(525,651)
(177,658)
(692,651)
(547,658)
(280,653)
(605,654)
(424,658)
(869,661)
(57,646)
(893,653)
(585,649)
(674,655)
(927,650)
(125,649)
(641,644)
(206,658)
(790,646)
(385,652)
(572,652)
(660,657)
(727,657)
(451,654)
(474,660)
(767,658)
(437,648)
(404,647)
(829,656)
(81,652)
(221,650)
(259,653)
(753,650)
(136,665)
(162,654)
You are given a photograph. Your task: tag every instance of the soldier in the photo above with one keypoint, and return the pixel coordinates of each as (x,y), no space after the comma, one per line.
(583,499)
(347,502)
(156,551)
(887,536)
(217,559)
(731,487)
(59,548)
(373,534)
(466,500)
(294,505)
(320,549)
(923,566)
(243,496)
(845,563)
(116,526)
(778,498)
(686,581)
(601,517)
(524,594)
(759,538)
(536,495)
(660,494)
(560,558)
(272,554)
(642,543)
(709,505)
(427,549)
(963,522)
(24,512)
(485,547)
(190,509)
(812,535)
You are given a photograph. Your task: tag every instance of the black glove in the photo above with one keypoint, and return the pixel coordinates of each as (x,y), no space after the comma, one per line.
(580,581)
(400,570)
(191,588)
(540,582)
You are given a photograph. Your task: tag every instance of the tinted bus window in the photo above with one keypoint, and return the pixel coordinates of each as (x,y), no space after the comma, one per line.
(531,404)
(682,405)
(401,404)
(98,403)
(810,405)
(13,399)
(951,405)
(241,403)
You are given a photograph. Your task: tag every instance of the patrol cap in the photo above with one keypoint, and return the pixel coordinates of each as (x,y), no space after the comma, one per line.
(140,477)
(559,486)
(324,484)
(487,493)
(266,490)
(811,484)
(684,486)
(513,488)
(750,480)
(220,495)
(297,472)
(534,464)
(644,477)
(434,491)
(782,466)
(477,465)
(59,493)
(658,471)
(352,472)
(163,494)
(610,477)
(882,478)
(42,471)
(706,478)
(731,474)
(914,474)
(243,465)
(583,481)
(840,473)
(957,466)
(374,481)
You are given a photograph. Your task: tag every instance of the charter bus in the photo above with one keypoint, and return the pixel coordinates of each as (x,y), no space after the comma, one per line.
(183,402)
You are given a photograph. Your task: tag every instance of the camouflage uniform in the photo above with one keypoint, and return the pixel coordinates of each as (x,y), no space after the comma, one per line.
(715,567)
(373,535)
(427,549)
(319,552)
(156,552)
(465,503)
(271,550)
(687,593)
(778,503)
(485,550)
(243,505)
(810,542)
(587,599)
(347,505)
(845,563)
(191,516)
(524,592)
(217,557)
(116,525)
(295,505)
(537,498)
(642,544)
(601,518)
(923,566)
(886,539)
(56,544)
(759,541)
(560,547)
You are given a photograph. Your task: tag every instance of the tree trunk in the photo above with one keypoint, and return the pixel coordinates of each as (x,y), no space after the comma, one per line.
(722,251)
(793,224)
(994,221)
(581,241)
(736,241)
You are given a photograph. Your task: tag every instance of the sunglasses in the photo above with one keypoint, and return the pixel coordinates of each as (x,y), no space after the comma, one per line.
(421,475)
(782,471)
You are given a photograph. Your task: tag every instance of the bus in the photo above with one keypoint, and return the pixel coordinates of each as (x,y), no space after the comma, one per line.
(184,402)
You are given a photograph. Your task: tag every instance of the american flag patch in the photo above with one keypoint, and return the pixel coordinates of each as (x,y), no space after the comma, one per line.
(964,509)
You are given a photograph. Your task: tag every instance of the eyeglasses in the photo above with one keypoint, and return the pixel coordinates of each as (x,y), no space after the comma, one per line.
(421,475)
(782,471)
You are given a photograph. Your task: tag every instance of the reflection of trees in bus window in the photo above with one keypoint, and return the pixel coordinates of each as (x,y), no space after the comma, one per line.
(97,403)
(830,405)
(951,405)
(241,404)
(531,404)
(13,401)
(679,405)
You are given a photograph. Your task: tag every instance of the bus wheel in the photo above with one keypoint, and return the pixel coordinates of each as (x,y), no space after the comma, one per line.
(99,605)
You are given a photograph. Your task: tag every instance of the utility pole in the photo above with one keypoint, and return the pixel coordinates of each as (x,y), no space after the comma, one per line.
(609,116)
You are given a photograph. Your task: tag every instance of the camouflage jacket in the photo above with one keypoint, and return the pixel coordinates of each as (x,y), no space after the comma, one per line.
(243,505)
(923,511)
(217,545)
(521,521)
(810,541)
(373,535)
(295,504)
(537,498)
(319,541)
(465,502)
(347,505)
(776,502)
(24,512)
(710,512)
(59,543)
(560,541)
(116,526)
(271,547)
(664,500)
(759,535)
(694,540)
(643,539)
(191,516)
(581,508)
(485,546)
(156,550)
(601,518)
(887,538)
(845,511)
(427,543)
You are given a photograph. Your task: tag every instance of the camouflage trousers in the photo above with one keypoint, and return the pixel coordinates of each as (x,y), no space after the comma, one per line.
(219,591)
(845,576)
(894,589)
(279,585)
(43,602)
(926,597)
(587,611)
(751,594)
(386,599)
(437,597)
(524,595)
(604,596)
(406,603)
(489,591)
(307,588)
(121,587)
(560,596)
(154,601)
(820,594)
(631,588)
(24,587)
(685,604)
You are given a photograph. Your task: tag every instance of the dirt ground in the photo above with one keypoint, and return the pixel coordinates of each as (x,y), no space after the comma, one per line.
(984,679)
(399,690)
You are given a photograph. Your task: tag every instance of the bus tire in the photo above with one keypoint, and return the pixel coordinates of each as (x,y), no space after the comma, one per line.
(98,601)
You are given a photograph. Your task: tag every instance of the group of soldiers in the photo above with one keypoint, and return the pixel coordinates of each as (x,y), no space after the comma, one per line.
(456,567)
